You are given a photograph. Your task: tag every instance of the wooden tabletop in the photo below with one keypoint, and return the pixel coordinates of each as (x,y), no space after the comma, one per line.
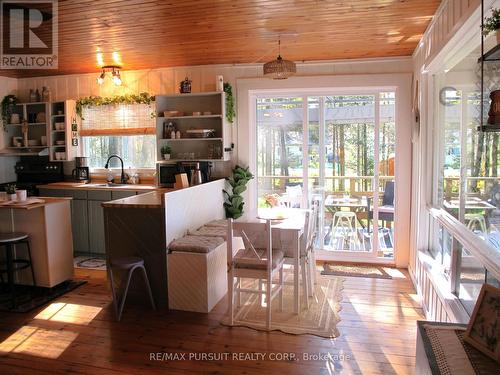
(28,206)
(153,199)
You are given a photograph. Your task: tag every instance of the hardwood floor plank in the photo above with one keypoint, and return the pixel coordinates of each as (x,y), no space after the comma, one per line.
(377,336)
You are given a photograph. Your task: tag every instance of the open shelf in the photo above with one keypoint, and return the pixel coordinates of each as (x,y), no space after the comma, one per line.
(492,55)
(30,124)
(190,139)
(489,128)
(190,117)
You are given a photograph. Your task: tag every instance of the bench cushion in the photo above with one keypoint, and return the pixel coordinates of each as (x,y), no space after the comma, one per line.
(217,223)
(210,232)
(196,244)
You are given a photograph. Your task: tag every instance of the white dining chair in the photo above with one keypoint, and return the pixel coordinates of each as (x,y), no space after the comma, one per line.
(252,263)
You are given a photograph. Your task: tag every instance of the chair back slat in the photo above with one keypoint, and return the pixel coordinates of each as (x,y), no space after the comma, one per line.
(247,230)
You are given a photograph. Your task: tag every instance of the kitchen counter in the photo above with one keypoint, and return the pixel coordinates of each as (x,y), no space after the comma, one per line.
(46,201)
(97,186)
(153,199)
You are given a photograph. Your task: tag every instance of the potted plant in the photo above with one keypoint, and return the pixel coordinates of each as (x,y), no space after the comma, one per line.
(10,189)
(166,151)
(234,202)
(7,108)
(492,24)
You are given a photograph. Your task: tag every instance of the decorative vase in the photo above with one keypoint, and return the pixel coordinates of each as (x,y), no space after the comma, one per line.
(185,86)
(32,96)
(45,94)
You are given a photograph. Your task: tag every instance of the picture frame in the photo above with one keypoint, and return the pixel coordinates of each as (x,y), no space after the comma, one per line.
(483,330)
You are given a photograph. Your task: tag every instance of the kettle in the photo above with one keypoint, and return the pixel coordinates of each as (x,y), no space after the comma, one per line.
(196,175)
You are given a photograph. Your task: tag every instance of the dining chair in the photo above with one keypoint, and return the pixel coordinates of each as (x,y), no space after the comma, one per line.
(252,263)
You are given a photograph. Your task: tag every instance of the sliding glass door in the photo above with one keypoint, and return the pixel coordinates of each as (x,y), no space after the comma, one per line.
(340,151)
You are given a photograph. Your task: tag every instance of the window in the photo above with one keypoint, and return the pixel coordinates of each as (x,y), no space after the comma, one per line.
(126,130)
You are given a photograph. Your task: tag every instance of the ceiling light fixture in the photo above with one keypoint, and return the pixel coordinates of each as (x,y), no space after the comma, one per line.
(115,74)
(279,68)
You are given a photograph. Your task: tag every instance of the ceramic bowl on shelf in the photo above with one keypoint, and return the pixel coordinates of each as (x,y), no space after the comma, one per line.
(173,114)
(59,125)
(60,143)
(197,113)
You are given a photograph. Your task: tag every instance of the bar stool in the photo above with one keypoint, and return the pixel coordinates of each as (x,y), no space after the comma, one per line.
(129,264)
(8,240)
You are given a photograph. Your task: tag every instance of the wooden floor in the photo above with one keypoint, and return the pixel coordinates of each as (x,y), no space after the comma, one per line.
(76,334)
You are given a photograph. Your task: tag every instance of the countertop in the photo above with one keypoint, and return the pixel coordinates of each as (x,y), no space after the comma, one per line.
(97,186)
(46,201)
(153,199)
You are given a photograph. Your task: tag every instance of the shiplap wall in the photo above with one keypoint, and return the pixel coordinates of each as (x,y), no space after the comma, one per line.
(166,81)
(8,86)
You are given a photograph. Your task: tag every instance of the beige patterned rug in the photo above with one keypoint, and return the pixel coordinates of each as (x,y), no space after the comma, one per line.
(320,319)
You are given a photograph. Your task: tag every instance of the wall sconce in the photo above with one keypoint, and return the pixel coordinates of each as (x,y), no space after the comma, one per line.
(115,74)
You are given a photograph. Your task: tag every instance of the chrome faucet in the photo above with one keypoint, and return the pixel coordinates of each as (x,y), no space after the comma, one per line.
(123,179)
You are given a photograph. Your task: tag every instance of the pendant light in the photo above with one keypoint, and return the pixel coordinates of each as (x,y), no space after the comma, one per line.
(279,68)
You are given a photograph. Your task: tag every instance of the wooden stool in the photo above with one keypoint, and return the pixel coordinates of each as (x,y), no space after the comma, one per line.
(7,240)
(129,264)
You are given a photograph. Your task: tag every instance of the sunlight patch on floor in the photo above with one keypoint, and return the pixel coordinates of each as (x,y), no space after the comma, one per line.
(69,313)
(395,273)
(38,342)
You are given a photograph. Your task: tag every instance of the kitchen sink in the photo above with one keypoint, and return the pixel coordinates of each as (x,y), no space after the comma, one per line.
(109,185)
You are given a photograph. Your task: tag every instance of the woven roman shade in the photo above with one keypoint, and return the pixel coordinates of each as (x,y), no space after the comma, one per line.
(119,119)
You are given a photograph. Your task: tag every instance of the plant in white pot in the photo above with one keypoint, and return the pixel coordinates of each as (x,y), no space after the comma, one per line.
(492,24)
(10,189)
(166,151)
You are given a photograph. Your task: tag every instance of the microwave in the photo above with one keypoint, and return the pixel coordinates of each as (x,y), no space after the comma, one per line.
(166,171)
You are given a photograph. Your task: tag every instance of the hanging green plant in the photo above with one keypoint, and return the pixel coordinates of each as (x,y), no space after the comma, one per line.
(96,101)
(230,113)
(7,107)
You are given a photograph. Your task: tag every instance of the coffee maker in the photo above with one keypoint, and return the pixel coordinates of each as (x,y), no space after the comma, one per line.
(81,172)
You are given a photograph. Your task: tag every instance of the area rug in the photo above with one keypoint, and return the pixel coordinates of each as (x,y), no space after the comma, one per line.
(355,271)
(29,298)
(93,263)
(320,319)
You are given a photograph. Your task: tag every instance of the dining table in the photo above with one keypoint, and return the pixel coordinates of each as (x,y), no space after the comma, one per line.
(287,227)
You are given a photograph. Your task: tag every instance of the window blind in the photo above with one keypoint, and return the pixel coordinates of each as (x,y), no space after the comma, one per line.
(119,119)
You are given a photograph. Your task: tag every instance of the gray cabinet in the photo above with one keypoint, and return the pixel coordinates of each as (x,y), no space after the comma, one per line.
(87,216)
(80,226)
(96,227)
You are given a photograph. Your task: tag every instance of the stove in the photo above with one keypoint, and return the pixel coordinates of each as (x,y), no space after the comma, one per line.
(36,170)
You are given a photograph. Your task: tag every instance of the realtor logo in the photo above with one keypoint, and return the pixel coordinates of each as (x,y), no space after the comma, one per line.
(29,32)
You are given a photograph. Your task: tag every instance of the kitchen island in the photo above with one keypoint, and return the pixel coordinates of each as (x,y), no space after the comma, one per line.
(48,224)
(145,224)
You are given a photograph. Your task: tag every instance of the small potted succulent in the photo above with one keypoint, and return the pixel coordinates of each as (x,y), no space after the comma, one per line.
(492,24)
(10,189)
(166,151)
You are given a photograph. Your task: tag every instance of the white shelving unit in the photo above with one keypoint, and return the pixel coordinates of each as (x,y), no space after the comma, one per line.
(216,148)
(30,112)
(63,112)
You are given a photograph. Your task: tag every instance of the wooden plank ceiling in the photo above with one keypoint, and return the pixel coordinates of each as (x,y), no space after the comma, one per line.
(151,34)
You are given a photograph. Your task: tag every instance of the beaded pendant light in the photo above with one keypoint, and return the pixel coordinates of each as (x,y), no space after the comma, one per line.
(279,68)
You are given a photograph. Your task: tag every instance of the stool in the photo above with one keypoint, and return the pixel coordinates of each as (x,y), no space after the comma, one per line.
(8,240)
(129,264)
